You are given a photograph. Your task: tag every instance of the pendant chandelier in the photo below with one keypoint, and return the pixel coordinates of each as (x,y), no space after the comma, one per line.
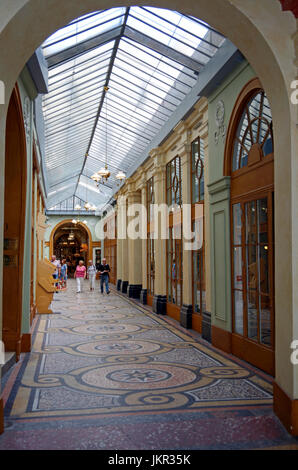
(87,206)
(71,236)
(77,220)
(104,173)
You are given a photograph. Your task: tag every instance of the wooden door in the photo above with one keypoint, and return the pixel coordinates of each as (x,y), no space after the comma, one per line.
(249,160)
(253,280)
(14,222)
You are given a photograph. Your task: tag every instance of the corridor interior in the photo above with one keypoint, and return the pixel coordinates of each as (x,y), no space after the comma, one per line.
(107,373)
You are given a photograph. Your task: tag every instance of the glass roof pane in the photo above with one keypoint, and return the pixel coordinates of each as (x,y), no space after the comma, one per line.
(80,60)
(94,63)
(145,88)
(167,32)
(88,28)
(131,46)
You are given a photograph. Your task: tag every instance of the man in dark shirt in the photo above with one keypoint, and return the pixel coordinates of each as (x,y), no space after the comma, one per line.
(104,270)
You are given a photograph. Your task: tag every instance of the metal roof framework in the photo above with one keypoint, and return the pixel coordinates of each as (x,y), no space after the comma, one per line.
(149,58)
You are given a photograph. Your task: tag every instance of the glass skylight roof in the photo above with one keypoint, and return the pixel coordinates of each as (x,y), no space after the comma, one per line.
(149,58)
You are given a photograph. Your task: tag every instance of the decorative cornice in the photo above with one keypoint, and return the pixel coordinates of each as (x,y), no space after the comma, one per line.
(204,130)
(220,185)
(156,152)
(184,150)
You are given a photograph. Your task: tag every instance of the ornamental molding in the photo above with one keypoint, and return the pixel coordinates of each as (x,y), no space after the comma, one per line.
(27,117)
(219,120)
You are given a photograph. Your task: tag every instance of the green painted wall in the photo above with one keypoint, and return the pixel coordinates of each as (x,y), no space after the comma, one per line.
(26,94)
(219,190)
(53,220)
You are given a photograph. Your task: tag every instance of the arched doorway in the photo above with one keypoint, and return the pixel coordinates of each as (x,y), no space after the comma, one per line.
(72,242)
(249,160)
(266,38)
(14,223)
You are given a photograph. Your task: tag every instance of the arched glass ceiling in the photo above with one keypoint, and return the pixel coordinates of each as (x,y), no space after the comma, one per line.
(150,58)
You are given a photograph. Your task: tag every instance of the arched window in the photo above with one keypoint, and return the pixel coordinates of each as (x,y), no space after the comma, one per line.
(249,161)
(254,136)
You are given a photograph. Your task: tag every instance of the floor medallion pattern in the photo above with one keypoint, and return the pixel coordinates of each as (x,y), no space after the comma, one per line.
(108,357)
(116,360)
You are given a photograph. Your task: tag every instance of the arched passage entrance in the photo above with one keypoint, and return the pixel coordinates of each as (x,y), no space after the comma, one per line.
(266,38)
(14,223)
(72,242)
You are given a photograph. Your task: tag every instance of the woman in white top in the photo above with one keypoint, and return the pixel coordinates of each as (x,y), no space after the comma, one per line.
(91,274)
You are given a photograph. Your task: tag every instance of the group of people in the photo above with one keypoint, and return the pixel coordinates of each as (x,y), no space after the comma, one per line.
(81,272)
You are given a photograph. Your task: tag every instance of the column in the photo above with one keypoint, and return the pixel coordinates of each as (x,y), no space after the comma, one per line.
(119,247)
(122,234)
(144,243)
(206,315)
(160,294)
(134,247)
(187,308)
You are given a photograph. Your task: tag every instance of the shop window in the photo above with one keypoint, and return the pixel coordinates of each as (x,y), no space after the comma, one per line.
(150,264)
(150,198)
(173,172)
(174,271)
(197,170)
(199,284)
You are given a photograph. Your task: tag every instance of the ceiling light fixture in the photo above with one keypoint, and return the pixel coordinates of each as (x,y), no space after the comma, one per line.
(87,206)
(104,173)
(120,176)
(78,221)
(97,178)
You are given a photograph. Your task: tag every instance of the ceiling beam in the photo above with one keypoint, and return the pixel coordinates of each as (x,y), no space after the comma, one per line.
(83,47)
(163,49)
(218,68)
(111,65)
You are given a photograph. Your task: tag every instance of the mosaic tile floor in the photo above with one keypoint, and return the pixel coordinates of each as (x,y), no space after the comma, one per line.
(105,373)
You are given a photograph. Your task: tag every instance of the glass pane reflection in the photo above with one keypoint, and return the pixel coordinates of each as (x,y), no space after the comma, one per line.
(265,320)
(238,284)
(237,223)
(238,312)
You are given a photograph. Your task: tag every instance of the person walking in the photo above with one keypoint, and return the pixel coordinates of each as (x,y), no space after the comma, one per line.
(91,274)
(80,274)
(56,263)
(63,274)
(104,270)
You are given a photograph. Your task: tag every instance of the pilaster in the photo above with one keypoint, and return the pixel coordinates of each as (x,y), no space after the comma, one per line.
(134,245)
(123,248)
(221,315)
(160,290)
(185,155)
(159,173)
(119,243)
(143,294)
(203,134)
